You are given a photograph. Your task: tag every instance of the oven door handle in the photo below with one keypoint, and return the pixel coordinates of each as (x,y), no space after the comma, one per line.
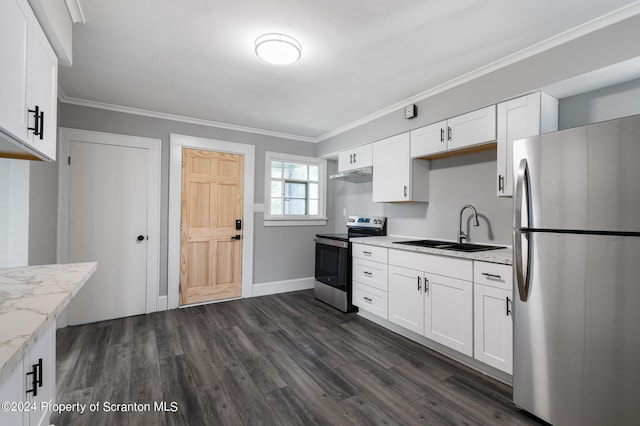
(334,243)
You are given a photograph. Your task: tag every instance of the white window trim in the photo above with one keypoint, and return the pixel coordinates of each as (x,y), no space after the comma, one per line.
(321,218)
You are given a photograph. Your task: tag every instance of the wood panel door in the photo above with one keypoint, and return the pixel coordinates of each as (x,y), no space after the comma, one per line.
(210,243)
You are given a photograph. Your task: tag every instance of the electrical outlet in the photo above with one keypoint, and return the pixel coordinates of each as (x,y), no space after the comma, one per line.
(410,111)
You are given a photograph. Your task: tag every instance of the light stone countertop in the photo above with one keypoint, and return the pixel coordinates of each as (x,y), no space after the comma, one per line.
(502,256)
(31,297)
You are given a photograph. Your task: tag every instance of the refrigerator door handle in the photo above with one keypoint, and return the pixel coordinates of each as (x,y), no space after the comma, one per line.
(522,268)
(522,194)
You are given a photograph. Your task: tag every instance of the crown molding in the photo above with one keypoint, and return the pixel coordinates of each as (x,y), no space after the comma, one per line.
(75,11)
(572,34)
(180,118)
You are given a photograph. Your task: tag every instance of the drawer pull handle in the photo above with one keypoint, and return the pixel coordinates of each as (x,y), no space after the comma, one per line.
(367,273)
(494,276)
(508,300)
(366,253)
(368,299)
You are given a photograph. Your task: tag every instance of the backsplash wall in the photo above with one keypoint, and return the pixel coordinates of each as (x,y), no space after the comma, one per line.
(453,182)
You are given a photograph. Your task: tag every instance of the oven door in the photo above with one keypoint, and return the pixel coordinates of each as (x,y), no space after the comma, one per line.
(332,263)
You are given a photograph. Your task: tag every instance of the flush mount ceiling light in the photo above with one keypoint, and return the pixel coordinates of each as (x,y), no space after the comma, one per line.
(278,49)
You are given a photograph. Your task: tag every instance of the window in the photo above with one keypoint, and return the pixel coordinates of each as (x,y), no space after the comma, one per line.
(295,190)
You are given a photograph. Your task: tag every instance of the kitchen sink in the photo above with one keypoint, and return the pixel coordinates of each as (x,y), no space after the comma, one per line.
(470,247)
(448,245)
(425,243)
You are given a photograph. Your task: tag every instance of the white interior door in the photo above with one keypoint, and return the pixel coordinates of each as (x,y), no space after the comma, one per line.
(108,202)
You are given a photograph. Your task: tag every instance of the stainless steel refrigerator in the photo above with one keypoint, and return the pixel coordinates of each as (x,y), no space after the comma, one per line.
(576,247)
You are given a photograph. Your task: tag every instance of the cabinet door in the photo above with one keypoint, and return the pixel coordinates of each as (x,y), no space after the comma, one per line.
(429,140)
(474,128)
(493,327)
(16,20)
(406,303)
(43,349)
(355,158)
(520,118)
(517,119)
(391,169)
(42,92)
(449,312)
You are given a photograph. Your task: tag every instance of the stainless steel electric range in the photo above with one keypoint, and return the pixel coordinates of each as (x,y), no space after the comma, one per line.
(333,260)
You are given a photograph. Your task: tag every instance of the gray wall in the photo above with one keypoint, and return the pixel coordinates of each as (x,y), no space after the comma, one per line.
(616,101)
(43,213)
(280,253)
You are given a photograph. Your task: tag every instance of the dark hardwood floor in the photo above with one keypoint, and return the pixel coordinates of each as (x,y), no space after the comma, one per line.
(285,359)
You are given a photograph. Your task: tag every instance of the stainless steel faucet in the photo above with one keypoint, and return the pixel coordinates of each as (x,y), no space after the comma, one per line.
(461,234)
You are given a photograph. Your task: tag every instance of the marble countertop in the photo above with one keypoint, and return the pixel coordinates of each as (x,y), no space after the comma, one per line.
(502,256)
(31,297)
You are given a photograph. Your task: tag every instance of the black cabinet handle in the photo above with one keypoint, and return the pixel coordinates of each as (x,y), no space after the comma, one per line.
(36,377)
(368,299)
(367,273)
(36,121)
(500,183)
(449,133)
(508,303)
(41,125)
(442,135)
(419,283)
(494,276)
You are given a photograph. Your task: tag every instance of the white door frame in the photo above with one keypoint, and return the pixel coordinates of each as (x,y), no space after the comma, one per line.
(176,143)
(153,147)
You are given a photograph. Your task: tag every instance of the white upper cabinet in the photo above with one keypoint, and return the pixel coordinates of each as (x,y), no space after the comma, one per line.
(519,118)
(455,134)
(355,158)
(429,140)
(16,21)
(396,176)
(28,83)
(474,128)
(42,94)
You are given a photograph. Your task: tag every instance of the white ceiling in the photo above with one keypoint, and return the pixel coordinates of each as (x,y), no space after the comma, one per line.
(196,58)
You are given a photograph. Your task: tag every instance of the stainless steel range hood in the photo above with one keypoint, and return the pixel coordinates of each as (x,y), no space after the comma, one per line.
(364,174)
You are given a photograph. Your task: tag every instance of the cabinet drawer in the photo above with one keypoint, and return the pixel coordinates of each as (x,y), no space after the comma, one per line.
(440,265)
(493,275)
(374,274)
(374,253)
(370,299)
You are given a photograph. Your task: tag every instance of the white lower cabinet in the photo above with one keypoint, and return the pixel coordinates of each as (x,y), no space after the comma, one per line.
(493,322)
(433,296)
(32,382)
(406,301)
(448,315)
(369,276)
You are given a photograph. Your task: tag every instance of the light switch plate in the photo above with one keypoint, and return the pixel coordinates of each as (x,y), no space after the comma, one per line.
(410,111)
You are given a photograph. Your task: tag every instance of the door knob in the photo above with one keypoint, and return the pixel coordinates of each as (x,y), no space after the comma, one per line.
(140,238)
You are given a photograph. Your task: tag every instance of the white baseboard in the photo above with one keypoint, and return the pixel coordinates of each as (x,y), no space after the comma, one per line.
(163,303)
(275,287)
